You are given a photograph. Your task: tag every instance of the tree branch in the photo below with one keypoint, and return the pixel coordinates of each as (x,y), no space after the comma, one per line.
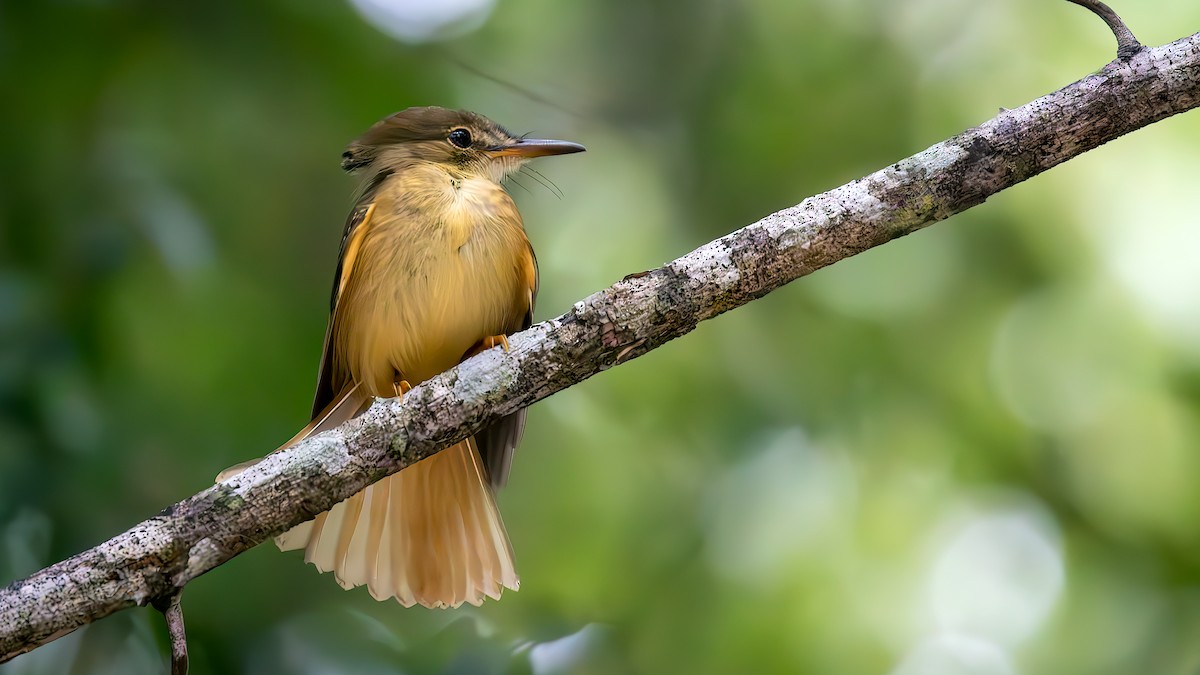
(173,615)
(157,558)
(1127,44)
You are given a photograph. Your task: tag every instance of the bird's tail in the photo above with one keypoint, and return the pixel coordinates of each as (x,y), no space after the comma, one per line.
(349,405)
(429,535)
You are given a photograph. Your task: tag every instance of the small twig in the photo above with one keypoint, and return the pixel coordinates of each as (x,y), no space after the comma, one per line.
(173,613)
(511,86)
(1127,44)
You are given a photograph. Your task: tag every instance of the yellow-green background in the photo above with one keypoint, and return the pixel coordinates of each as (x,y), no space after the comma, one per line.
(974,450)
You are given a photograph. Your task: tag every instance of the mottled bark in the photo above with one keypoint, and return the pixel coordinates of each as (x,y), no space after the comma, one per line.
(155,559)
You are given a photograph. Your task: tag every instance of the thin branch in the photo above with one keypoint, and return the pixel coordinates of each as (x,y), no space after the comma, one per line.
(173,614)
(507,84)
(158,557)
(1127,44)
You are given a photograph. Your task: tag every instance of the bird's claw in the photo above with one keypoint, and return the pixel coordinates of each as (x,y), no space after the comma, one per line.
(401,387)
(487,343)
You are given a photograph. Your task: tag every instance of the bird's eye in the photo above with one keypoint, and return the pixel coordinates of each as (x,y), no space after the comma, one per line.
(461,138)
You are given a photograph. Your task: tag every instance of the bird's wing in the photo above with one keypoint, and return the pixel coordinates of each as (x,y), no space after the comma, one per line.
(533,280)
(498,442)
(329,383)
(331,406)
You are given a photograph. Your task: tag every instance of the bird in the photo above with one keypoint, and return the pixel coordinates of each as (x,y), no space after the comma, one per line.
(434,267)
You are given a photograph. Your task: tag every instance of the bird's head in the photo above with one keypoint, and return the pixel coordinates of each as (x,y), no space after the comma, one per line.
(460,139)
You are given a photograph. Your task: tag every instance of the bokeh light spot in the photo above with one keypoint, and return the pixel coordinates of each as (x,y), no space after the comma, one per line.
(419,21)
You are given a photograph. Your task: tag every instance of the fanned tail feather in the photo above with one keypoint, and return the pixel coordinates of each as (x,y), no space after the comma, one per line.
(349,405)
(429,535)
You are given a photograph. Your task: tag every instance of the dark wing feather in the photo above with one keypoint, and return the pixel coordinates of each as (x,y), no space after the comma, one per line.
(356,222)
(498,442)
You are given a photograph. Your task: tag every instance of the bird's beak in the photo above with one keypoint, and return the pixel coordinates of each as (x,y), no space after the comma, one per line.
(529,148)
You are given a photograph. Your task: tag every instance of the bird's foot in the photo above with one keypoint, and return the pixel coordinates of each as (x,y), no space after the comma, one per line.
(487,343)
(401,387)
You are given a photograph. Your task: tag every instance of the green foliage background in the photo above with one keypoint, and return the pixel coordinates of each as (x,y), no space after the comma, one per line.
(973,450)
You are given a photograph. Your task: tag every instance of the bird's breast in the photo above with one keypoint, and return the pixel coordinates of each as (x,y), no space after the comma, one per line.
(443,264)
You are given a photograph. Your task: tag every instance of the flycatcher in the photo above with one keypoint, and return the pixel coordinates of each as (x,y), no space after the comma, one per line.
(434,267)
